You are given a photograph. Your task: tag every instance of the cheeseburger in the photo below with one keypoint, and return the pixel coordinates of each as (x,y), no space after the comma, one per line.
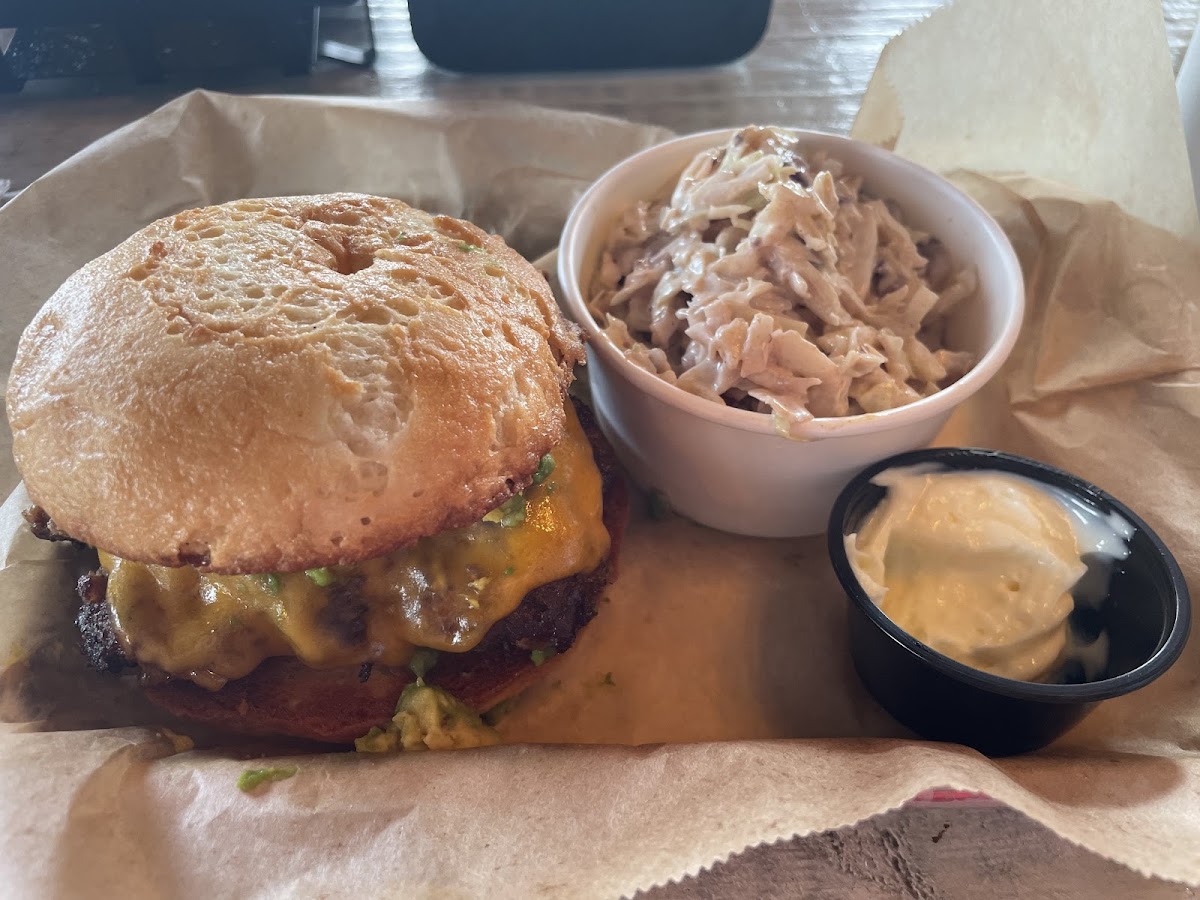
(313,439)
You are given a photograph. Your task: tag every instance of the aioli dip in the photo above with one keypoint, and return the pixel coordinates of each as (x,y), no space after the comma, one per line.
(981,565)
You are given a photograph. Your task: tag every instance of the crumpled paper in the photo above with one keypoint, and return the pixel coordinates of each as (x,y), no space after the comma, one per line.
(735,646)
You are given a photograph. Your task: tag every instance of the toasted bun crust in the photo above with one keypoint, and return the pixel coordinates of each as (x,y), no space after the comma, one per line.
(271,385)
(335,706)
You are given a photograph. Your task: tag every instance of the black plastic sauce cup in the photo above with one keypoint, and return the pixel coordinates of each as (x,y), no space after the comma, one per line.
(1146,614)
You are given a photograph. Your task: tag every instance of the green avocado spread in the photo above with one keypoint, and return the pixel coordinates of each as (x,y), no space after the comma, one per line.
(428,718)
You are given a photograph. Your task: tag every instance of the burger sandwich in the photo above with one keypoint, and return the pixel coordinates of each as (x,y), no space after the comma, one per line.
(316,443)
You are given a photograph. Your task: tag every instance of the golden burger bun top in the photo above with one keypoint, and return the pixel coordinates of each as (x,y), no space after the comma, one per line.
(271,385)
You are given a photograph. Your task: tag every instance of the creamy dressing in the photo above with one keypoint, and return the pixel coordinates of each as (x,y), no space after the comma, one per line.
(987,567)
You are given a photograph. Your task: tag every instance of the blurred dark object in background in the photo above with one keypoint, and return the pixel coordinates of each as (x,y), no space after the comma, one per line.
(151,40)
(573,35)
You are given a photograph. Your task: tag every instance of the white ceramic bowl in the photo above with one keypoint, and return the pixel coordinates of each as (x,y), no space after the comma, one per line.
(726,467)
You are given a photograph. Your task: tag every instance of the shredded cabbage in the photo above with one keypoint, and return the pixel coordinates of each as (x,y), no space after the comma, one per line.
(773,283)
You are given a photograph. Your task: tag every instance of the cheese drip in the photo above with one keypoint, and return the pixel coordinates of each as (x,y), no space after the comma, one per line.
(443,592)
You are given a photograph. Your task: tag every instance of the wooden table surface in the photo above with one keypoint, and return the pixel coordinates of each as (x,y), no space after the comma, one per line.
(811,69)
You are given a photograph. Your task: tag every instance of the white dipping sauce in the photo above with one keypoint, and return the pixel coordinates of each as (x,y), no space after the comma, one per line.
(986,567)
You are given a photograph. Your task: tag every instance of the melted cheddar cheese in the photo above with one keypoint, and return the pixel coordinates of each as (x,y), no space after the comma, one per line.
(443,592)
